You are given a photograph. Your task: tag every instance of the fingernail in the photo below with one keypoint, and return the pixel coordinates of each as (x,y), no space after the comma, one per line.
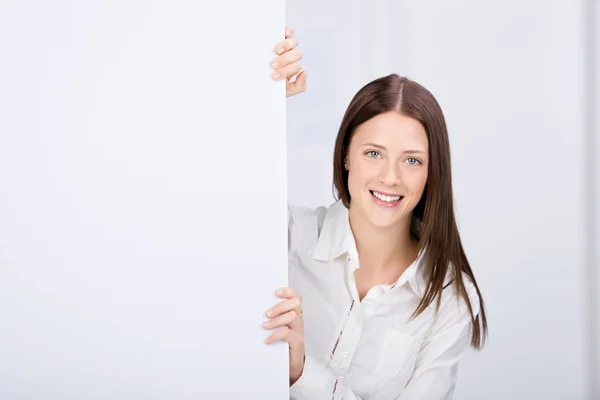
(276,75)
(265,324)
(279,291)
(274,64)
(269,313)
(280,50)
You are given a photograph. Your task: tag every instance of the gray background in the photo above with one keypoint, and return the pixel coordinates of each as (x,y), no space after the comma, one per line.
(514,79)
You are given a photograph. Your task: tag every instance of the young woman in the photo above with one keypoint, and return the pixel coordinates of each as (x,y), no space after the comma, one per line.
(382,301)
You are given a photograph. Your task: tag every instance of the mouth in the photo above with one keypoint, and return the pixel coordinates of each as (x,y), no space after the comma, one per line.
(386,200)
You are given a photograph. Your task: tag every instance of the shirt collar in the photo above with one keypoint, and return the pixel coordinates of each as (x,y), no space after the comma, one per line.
(415,274)
(336,236)
(336,239)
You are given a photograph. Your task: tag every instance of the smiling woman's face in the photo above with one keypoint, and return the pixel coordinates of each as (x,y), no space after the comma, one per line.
(387,162)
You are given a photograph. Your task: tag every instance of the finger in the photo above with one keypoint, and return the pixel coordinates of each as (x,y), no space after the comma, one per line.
(289,32)
(295,339)
(286,45)
(281,334)
(293,304)
(287,293)
(299,84)
(288,58)
(287,72)
(290,318)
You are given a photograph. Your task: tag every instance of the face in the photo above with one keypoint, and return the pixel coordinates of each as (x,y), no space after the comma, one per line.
(387,162)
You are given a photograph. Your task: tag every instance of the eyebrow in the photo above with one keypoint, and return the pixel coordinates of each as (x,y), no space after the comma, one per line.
(378,146)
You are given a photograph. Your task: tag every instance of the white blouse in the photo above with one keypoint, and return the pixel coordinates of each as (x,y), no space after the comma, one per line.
(368,349)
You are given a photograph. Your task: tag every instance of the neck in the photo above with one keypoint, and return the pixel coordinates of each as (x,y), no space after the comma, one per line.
(382,249)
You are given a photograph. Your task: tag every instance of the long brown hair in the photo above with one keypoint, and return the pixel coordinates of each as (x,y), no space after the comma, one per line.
(438,232)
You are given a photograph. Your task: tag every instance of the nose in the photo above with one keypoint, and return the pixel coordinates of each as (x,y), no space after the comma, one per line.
(390,174)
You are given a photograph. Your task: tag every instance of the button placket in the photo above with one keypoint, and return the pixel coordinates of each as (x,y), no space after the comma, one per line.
(351,266)
(346,340)
(352,337)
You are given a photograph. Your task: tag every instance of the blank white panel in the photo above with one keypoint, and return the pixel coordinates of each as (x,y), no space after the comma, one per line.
(142,199)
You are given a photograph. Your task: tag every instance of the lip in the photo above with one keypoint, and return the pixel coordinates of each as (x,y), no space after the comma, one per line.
(385,204)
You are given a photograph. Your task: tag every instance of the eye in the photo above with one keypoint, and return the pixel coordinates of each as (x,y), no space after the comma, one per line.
(413,161)
(372,153)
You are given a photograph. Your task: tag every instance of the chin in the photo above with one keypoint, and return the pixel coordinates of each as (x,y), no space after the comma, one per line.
(383,223)
(381,216)
(381,220)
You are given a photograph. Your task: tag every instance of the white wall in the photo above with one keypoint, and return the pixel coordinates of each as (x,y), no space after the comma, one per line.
(509,77)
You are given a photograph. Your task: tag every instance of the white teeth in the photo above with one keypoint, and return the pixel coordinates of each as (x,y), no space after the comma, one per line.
(386,198)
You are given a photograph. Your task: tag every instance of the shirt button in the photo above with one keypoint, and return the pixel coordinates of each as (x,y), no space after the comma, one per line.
(345,354)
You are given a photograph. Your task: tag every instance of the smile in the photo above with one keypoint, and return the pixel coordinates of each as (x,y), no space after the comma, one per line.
(386,200)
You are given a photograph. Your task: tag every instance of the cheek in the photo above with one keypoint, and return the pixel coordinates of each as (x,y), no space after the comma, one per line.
(353,182)
(417,183)
(359,176)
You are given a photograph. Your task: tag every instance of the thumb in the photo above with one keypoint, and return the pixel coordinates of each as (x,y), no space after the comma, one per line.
(299,85)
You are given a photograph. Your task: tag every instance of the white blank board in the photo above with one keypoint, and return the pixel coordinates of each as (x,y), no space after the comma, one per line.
(143,199)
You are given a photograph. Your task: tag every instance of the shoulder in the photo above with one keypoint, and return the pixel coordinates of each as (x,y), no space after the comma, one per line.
(451,295)
(308,218)
(305,224)
(456,305)
(298,213)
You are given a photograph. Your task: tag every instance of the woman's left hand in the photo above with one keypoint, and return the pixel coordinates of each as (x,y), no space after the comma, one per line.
(288,315)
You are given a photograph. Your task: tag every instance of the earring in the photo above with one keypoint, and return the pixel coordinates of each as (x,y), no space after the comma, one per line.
(346,166)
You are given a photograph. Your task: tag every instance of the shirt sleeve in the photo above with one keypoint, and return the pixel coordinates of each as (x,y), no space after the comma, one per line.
(317,382)
(435,373)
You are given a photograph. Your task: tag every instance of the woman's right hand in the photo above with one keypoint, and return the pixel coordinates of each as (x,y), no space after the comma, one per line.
(287,64)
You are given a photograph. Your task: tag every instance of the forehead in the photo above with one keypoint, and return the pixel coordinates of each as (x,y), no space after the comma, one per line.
(393,131)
